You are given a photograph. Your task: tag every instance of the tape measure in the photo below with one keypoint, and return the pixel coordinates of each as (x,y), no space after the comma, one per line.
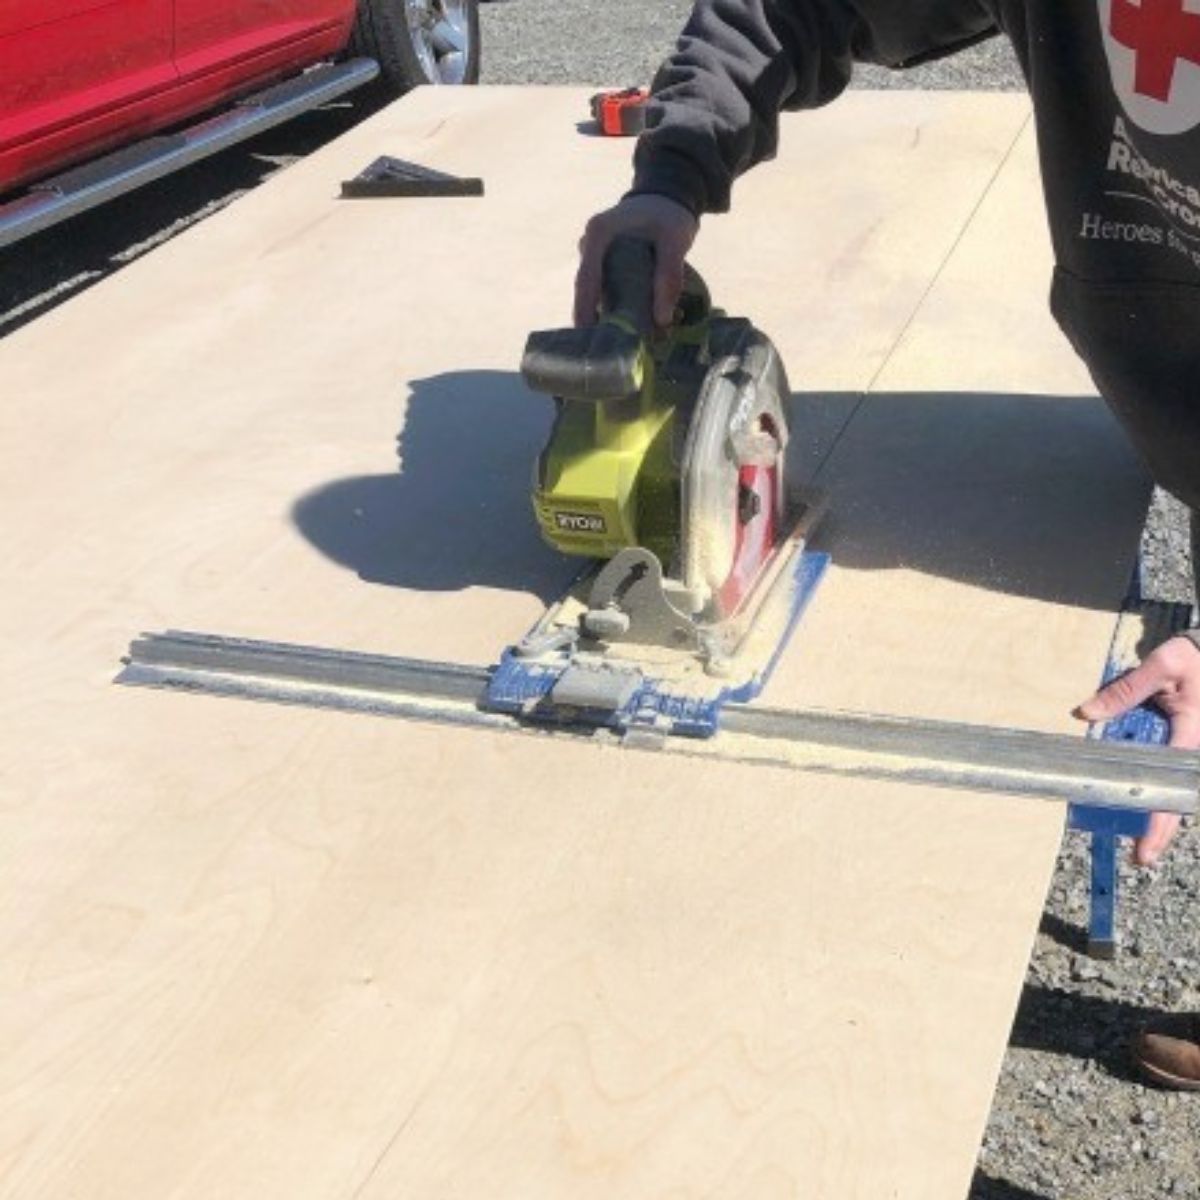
(621,114)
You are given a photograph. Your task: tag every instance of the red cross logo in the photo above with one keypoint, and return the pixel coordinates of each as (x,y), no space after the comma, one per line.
(1161,33)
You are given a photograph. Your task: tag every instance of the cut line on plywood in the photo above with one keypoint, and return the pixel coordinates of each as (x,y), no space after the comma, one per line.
(898,341)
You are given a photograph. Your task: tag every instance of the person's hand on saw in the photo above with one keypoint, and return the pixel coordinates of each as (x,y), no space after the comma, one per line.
(1170,677)
(666,223)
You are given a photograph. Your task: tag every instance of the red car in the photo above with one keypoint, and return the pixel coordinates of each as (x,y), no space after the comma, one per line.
(108,88)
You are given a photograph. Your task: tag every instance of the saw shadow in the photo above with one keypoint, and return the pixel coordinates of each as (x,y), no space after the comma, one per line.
(1031,495)
(988,1187)
(1038,496)
(456,513)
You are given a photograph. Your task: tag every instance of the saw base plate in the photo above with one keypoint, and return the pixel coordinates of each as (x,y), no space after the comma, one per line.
(642,690)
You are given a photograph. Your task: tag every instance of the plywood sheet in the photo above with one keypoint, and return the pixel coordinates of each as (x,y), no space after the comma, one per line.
(306,423)
(985,507)
(252,952)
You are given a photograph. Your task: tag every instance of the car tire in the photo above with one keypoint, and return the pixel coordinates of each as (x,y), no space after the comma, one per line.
(419,42)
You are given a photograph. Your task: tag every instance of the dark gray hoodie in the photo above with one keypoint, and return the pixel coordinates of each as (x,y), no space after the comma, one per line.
(1116,91)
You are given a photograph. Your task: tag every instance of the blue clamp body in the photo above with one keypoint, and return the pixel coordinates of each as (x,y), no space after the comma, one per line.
(637,702)
(1145,725)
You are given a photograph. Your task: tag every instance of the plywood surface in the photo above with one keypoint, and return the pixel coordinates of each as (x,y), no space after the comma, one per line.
(297,407)
(321,957)
(250,952)
(985,510)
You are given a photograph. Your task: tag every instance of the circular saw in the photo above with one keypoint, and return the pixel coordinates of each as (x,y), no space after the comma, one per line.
(669,465)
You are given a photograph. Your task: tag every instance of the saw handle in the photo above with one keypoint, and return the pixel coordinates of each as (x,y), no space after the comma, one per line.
(605,363)
(602,363)
(627,284)
(627,288)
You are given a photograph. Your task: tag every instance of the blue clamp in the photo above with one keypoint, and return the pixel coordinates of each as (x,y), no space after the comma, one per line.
(553,689)
(1145,725)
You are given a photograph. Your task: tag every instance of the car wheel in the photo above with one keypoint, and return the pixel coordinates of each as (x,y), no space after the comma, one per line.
(419,41)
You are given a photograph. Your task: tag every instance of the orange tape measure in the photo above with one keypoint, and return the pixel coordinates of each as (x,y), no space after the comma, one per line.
(621,114)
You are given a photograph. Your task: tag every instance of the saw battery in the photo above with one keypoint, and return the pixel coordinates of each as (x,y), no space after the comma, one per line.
(621,114)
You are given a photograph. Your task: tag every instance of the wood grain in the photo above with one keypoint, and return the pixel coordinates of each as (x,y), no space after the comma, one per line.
(985,508)
(318,955)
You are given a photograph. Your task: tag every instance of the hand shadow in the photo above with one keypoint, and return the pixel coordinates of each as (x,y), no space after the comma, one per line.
(458,511)
(1030,495)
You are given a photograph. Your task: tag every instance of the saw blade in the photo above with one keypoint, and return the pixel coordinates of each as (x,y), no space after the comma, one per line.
(734,498)
(758,520)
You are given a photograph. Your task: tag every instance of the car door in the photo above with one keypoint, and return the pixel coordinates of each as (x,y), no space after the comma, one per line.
(69,72)
(239,39)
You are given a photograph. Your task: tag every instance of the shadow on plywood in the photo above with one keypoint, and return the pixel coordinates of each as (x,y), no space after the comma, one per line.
(1037,496)
(456,512)
(1029,495)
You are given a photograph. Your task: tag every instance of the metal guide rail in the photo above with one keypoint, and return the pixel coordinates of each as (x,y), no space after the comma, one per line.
(944,754)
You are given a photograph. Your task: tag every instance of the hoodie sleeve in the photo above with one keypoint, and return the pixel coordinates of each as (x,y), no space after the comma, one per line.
(716,101)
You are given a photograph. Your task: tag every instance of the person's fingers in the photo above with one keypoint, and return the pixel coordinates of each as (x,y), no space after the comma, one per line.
(1148,849)
(1166,674)
(1125,693)
(668,282)
(587,293)
(667,224)
(589,276)
(1185,730)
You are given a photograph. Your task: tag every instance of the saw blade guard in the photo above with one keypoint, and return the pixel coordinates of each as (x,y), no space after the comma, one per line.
(734,487)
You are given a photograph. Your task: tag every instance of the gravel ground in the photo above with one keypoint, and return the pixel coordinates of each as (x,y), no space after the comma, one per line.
(537,41)
(1069,1122)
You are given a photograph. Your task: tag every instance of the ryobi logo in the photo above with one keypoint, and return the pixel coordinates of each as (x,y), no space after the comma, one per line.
(580,522)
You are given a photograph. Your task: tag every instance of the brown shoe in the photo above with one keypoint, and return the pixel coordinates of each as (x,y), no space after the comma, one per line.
(1167,1051)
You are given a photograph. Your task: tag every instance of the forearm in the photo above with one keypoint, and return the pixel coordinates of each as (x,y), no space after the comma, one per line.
(716,101)
(1195,633)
